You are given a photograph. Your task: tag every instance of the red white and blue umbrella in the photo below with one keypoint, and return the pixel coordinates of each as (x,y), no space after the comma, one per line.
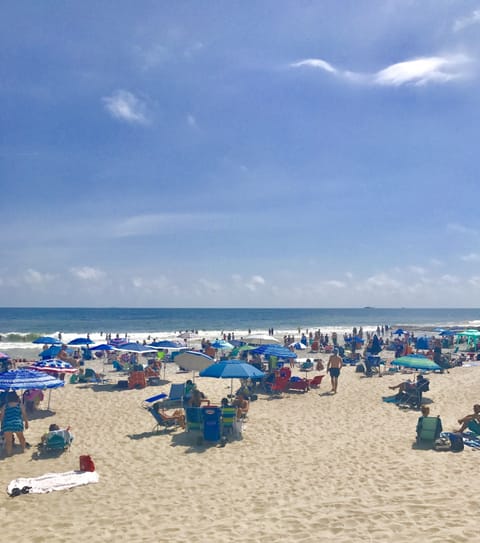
(26,379)
(53,365)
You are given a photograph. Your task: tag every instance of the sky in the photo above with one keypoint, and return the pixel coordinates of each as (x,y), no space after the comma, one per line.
(240,154)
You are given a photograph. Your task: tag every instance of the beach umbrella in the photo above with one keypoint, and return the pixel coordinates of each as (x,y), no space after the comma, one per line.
(81,341)
(136,348)
(102,347)
(193,361)
(274,350)
(375,347)
(3,356)
(166,344)
(399,332)
(260,339)
(26,379)
(232,369)
(222,345)
(47,340)
(298,345)
(54,365)
(416,362)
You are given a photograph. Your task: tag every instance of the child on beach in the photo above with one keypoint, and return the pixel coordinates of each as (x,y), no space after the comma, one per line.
(13,418)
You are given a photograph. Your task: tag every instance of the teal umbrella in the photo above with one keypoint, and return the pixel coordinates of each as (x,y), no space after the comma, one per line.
(416,362)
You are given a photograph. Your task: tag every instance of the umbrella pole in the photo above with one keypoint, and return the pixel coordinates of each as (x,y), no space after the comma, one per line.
(49,394)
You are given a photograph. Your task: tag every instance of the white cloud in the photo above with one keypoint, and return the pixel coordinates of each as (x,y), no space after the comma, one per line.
(255,282)
(469,20)
(471,257)
(33,277)
(87,273)
(315,63)
(191,121)
(450,279)
(335,284)
(208,286)
(419,71)
(417,270)
(125,106)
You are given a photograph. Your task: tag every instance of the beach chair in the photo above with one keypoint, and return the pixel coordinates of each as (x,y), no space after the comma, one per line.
(413,398)
(162,419)
(229,418)
(316,381)
(175,396)
(57,441)
(428,430)
(194,419)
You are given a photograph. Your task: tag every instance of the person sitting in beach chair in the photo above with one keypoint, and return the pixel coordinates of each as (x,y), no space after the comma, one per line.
(411,392)
(428,428)
(471,422)
(177,418)
(56,439)
(242,404)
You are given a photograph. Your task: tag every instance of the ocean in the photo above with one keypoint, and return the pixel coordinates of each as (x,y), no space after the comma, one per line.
(19,325)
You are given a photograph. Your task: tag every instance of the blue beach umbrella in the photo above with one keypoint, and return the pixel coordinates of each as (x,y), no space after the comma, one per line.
(399,331)
(232,369)
(53,365)
(26,379)
(166,344)
(222,345)
(416,362)
(47,340)
(274,350)
(81,341)
(102,347)
(136,348)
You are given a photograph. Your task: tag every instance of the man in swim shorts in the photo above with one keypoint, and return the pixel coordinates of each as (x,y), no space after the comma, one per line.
(334,366)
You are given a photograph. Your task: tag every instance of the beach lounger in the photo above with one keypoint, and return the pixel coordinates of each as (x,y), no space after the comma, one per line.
(57,441)
(162,419)
(316,381)
(175,396)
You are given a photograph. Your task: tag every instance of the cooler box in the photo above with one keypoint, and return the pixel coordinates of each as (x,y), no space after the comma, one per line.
(211,423)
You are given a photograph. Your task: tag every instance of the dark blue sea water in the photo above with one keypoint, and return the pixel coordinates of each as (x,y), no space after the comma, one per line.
(124,320)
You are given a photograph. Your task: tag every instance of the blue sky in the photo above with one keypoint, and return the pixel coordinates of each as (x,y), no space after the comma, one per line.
(244,154)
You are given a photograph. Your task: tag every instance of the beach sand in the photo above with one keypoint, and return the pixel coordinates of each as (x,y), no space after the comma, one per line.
(310,467)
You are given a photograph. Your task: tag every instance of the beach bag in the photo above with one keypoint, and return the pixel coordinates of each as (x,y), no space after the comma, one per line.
(456,441)
(86,463)
(443,443)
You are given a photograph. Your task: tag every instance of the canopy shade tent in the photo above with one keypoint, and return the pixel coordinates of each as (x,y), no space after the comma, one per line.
(103,347)
(232,369)
(416,362)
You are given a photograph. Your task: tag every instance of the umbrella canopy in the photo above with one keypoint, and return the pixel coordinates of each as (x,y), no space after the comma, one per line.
(416,362)
(260,339)
(81,341)
(222,345)
(232,369)
(193,360)
(136,348)
(53,366)
(166,344)
(25,379)
(47,340)
(3,356)
(298,345)
(469,333)
(399,332)
(274,350)
(102,347)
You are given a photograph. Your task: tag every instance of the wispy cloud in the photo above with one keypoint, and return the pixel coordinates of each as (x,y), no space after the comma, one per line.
(418,71)
(461,229)
(87,273)
(471,257)
(34,277)
(125,106)
(463,22)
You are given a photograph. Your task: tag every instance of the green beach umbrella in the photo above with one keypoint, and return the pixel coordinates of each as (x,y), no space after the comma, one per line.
(416,362)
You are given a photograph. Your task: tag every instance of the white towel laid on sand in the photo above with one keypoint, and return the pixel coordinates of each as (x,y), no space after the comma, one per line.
(53,481)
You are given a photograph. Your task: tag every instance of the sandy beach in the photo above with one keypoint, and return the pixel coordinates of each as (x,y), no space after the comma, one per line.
(310,467)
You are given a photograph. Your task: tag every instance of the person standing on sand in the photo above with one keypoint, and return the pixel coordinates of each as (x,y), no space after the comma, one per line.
(334,366)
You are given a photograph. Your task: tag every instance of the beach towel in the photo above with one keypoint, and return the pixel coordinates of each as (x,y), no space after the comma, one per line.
(50,482)
(391,399)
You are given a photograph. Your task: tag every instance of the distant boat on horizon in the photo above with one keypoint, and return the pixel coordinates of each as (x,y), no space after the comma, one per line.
(368,307)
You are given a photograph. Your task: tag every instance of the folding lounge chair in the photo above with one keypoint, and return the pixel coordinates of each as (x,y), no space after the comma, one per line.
(316,381)
(162,420)
(229,418)
(175,396)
